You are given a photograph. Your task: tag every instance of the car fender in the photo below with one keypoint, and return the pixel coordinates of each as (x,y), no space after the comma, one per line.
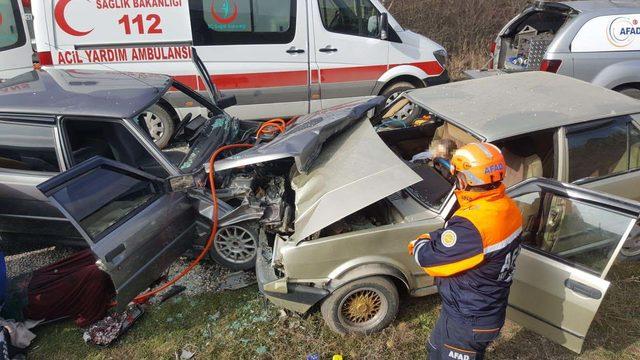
(366,267)
(401,71)
(617,74)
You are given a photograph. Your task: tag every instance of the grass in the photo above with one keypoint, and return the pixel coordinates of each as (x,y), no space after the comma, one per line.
(242,325)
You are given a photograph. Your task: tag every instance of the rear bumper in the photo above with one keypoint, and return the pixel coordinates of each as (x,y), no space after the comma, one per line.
(294,297)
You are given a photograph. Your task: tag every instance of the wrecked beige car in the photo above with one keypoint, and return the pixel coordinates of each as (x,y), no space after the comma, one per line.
(350,203)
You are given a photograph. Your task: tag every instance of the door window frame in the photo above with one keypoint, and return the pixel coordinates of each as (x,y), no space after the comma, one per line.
(214,38)
(22,37)
(630,120)
(585,196)
(130,126)
(113,166)
(393,36)
(40,121)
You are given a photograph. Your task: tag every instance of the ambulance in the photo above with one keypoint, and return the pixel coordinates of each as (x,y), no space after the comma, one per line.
(15,44)
(280,58)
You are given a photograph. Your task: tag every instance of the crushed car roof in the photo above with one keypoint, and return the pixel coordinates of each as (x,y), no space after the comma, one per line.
(81,93)
(503,106)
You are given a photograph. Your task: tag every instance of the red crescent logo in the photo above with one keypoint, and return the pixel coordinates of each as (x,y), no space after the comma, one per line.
(221,19)
(0,19)
(62,21)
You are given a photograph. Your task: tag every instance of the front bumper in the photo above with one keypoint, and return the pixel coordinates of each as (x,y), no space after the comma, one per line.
(294,297)
(438,80)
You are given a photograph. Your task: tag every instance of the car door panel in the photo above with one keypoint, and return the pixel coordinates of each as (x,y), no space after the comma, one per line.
(571,239)
(135,225)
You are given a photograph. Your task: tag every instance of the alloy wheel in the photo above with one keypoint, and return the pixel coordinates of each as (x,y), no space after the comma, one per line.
(235,244)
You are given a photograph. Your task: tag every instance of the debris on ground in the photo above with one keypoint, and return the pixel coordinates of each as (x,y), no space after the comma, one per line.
(107,330)
(203,278)
(185,354)
(236,281)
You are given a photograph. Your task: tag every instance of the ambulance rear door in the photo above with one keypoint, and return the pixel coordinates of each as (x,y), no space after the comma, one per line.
(15,45)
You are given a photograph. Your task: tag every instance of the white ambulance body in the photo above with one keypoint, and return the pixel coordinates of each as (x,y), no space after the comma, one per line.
(279,57)
(15,45)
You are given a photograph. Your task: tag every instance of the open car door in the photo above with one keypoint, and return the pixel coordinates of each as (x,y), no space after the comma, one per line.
(135,224)
(571,238)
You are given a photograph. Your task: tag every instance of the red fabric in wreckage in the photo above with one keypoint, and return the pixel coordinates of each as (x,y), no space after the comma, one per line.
(74,287)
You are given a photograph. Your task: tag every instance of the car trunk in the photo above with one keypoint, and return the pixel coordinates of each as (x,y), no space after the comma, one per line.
(523,44)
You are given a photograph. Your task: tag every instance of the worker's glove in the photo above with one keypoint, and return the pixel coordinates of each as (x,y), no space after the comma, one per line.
(414,243)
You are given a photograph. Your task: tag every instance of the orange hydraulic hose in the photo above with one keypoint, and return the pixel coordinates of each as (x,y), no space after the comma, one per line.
(142,298)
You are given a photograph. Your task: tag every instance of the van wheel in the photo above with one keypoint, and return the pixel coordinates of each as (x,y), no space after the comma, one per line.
(362,306)
(630,91)
(159,123)
(236,246)
(408,113)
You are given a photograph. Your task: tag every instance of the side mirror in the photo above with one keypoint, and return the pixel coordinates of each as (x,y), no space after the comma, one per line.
(226,101)
(384,26)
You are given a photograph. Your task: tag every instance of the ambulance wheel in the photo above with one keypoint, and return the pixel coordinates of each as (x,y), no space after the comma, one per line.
(631,92)
(236,246)
(391,93)
(363,306)
(159,123)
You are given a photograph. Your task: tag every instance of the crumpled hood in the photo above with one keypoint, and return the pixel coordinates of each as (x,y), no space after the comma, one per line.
(303,141)
(354,170)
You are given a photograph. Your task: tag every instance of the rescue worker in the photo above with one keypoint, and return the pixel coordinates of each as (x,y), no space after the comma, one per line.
(472,258)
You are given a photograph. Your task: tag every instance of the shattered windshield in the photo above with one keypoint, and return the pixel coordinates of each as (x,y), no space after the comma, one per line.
(217,131)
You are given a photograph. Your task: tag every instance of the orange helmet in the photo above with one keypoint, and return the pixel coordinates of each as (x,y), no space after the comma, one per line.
(481,163)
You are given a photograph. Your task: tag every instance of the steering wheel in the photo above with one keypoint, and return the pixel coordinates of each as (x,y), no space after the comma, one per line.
(183,125)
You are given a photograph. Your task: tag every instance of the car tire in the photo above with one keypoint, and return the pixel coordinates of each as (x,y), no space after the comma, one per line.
(160,124)
(363,306)
(391,93)
(236,246)
(630,91)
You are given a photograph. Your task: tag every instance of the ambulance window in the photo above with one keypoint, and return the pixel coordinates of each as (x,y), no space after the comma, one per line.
(352,17)
(242,22)
(11,31)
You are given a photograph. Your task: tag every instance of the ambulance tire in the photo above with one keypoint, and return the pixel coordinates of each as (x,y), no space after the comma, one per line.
(160,124)
(348,310)
(392,92)
(630,91)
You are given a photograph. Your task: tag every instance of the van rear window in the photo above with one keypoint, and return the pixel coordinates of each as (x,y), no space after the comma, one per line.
(238,22)
(11,31)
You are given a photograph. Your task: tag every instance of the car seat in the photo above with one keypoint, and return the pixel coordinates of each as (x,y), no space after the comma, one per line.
(520,168)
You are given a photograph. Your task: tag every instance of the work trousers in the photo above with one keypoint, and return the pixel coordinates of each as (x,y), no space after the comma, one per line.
(461,338)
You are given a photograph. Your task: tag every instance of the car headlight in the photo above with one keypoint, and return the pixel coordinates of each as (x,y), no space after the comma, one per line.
(441,56)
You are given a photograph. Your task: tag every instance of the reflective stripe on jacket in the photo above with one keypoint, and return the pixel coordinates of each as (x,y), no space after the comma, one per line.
(472,257)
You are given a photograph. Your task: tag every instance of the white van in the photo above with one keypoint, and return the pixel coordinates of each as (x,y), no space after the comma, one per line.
(15,46)
(280,58)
